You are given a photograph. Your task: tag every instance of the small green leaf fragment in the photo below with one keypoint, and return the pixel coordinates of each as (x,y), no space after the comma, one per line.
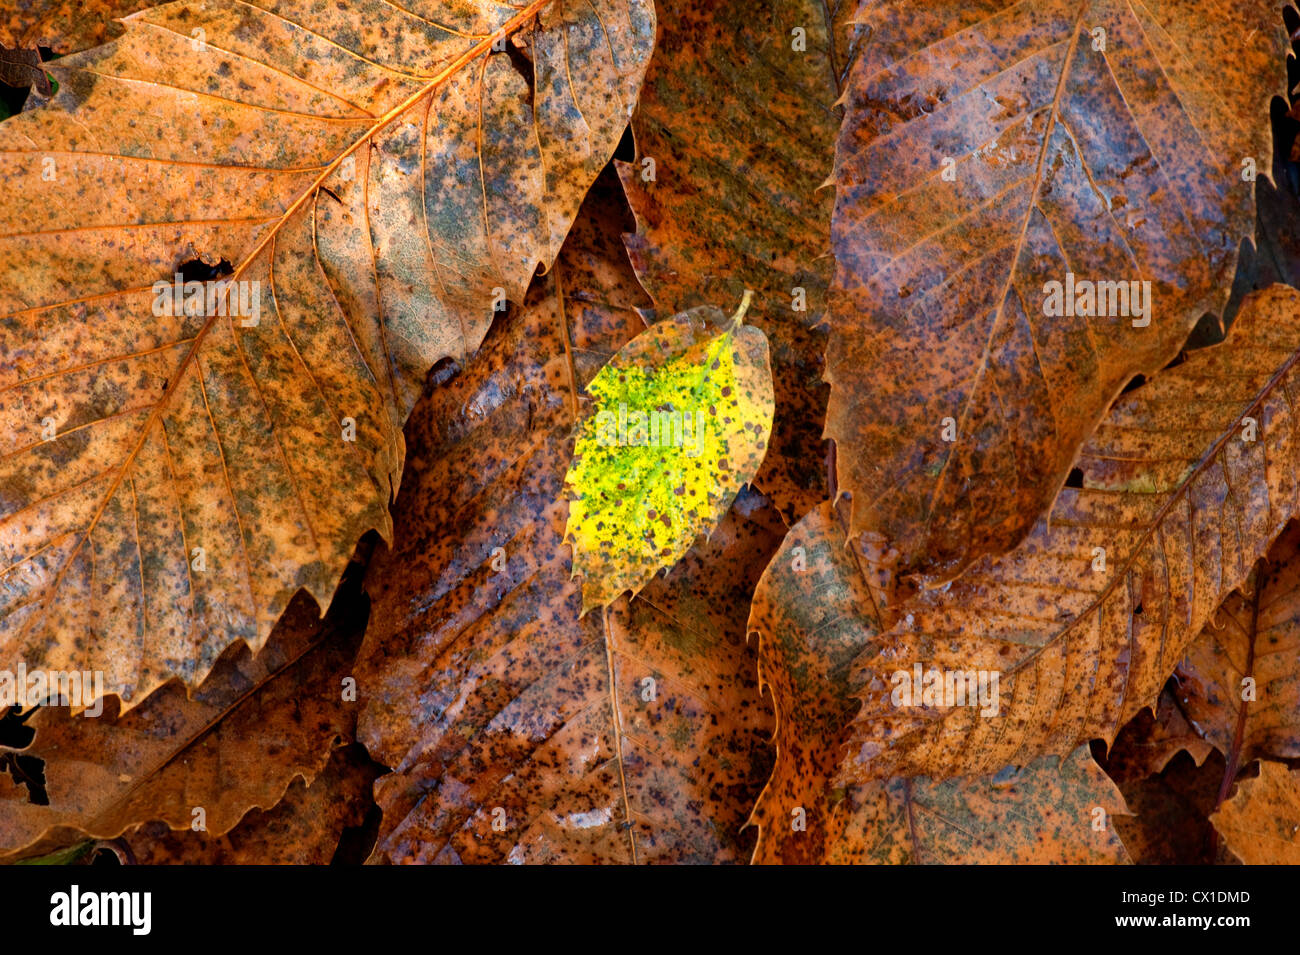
(69,856)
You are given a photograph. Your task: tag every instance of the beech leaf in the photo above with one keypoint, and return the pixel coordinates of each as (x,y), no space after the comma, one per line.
(22,67)
(753,118)
(1184,485)
(813,614)
(1240,683)
(303,828)
(682,419)
(255,725)
(518,729)
(989,150)
(1261,822)
(64,25)
(174,467)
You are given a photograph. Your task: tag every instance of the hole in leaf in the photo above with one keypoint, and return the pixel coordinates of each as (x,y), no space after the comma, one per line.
(27,771)
(1075,478)
(196,270)
(522,64)
(14,731)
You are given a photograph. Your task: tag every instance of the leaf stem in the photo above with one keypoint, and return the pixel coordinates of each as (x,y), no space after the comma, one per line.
(738,319)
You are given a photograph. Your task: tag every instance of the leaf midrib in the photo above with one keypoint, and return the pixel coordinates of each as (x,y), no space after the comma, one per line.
(191,356)
(1156,522)
(985,353)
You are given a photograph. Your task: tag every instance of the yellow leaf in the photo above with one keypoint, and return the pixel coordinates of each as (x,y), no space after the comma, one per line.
(682,420)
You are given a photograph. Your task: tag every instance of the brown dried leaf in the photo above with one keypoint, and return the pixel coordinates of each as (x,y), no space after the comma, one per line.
(22,67)
(1184,485)
(1170,821)
(1255,634)
(813,614)
(1261,823)
(486,692)
(304,828)
(378,175)
(236,742)
(64,25)
(1052,812)
(1275,254)
(740,129)
(1149,741)
(1115,164)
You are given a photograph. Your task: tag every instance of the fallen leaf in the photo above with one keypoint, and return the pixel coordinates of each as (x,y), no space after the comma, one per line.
(987,150)
(1274,256)
(1170,813)
(1184,485)
(1149,741)
(519,730)
(303,828)
(743,103)
(79,853)
(1052,812)
(681,422)
(64,25)
(236,742)
(813,614)
(1254,635)
(21,68)
(378,182)
(1261,823)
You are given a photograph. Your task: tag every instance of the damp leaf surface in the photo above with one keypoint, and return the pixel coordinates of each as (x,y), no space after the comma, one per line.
(1261,822)
(813,612)
(176,462)
(682,418)
(1085,621)
(520,730)
(987,151)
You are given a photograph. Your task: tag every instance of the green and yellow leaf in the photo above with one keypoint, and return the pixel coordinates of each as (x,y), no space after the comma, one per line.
(682,419)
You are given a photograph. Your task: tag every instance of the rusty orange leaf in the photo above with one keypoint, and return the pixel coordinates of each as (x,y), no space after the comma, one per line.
(178,460)
(681,421)
(518,729)
(813,613)
(1240,682)
(254,726)
(1261,823)
(21,67)
(303,828)
(1184,485)
(997,158)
